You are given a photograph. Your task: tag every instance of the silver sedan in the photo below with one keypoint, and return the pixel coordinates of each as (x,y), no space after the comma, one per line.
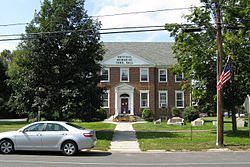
(48,136)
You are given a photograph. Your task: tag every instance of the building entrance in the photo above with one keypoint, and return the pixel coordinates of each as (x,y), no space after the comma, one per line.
(124,106)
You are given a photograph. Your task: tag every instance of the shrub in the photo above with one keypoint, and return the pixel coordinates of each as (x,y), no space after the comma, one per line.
(176,112)
(146,114)
(190,114)
(101,114)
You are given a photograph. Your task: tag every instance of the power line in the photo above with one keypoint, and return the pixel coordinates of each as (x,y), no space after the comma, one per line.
(132,29)
(13,24)
(85,30)
(142,12)
(111,32)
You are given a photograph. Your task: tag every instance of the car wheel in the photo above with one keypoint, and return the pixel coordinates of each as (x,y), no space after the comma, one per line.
(6,146)
(69,148)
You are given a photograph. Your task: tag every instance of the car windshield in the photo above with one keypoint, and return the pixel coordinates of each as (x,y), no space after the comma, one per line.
(75,126)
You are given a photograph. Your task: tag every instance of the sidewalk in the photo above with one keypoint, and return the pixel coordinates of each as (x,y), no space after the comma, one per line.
(13,120)
(124,139)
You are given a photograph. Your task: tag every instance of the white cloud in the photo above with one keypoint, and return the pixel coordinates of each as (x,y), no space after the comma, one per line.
(8,45)
(102,7)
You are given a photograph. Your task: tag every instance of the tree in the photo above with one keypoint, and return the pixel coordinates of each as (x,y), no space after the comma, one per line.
(196,57)
(236,45)
(4,89)
(56,70)
(6,56)
(196,53)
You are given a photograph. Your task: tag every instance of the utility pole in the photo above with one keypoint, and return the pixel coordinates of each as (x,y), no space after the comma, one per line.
(219,140)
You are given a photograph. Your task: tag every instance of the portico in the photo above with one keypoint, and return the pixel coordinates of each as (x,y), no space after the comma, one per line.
(124,99)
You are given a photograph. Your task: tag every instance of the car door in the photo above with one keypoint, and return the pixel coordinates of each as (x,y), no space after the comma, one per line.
(30,138)
(53,136)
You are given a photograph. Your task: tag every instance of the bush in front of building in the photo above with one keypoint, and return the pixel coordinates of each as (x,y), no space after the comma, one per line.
(146,114)
(176,112)
(101,114)
(190,114)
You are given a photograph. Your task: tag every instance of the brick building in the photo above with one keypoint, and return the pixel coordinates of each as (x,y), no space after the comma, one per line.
(136,76)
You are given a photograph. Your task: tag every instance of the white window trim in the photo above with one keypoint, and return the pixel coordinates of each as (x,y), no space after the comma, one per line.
(181,79)
(107,91)
(166,75)
(144,91)
(121,74)
(163,91)
(108,75)
(182,98)
(147,74)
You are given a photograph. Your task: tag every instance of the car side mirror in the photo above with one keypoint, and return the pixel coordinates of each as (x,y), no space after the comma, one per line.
(22,130)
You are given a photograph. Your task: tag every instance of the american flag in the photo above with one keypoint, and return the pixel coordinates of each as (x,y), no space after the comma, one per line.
(225,75)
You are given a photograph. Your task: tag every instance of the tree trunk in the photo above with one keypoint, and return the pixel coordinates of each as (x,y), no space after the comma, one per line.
(234,124)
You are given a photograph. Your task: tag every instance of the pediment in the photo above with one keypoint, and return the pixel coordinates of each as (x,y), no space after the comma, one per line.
(126,59)
(124,87)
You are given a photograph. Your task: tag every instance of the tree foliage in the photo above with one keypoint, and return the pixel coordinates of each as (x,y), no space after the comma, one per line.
(55,70)
(4,89)
(196,52)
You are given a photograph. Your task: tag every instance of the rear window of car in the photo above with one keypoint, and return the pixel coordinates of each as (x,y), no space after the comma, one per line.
(75,126)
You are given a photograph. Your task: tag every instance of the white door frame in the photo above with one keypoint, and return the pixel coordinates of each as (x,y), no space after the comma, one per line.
(124,89)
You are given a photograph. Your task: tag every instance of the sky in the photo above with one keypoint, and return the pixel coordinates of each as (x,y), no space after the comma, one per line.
(22,11)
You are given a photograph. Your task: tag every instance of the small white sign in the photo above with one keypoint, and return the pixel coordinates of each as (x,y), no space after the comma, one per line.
(126,59)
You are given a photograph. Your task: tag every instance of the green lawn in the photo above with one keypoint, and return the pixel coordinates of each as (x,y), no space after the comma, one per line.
(149,126)
(10,126)
(104,131)
(178,138)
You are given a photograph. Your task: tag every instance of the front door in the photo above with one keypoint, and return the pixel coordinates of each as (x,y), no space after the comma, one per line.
(124,106)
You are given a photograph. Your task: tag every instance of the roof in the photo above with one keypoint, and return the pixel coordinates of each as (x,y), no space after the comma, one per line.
(159,53)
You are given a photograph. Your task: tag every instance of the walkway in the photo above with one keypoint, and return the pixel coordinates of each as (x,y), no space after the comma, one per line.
(124,139)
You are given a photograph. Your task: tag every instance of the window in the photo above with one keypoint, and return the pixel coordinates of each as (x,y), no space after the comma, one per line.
(35,127)
(144,99)
(55,127)
(105,75)
(144,74)
(163,99)
(179,99)
(179,78)
(124,74)
(163,75)
(105,99)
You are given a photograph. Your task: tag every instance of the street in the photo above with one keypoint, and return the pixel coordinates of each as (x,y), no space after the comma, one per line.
(106,159)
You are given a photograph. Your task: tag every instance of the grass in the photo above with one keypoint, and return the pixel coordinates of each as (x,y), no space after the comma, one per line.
(149,126)
(175,141)
(179,138)
(11,126)
(104,131)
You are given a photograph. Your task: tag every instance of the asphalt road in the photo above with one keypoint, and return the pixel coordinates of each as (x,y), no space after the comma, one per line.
(106,159)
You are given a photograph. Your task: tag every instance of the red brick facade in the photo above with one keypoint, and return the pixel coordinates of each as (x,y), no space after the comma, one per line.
(153,86)
(134,95)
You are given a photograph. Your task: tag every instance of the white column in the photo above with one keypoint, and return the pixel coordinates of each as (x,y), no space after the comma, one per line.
(132,103)
(116,103)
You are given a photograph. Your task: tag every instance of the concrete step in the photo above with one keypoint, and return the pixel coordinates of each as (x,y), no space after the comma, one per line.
(126,150)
